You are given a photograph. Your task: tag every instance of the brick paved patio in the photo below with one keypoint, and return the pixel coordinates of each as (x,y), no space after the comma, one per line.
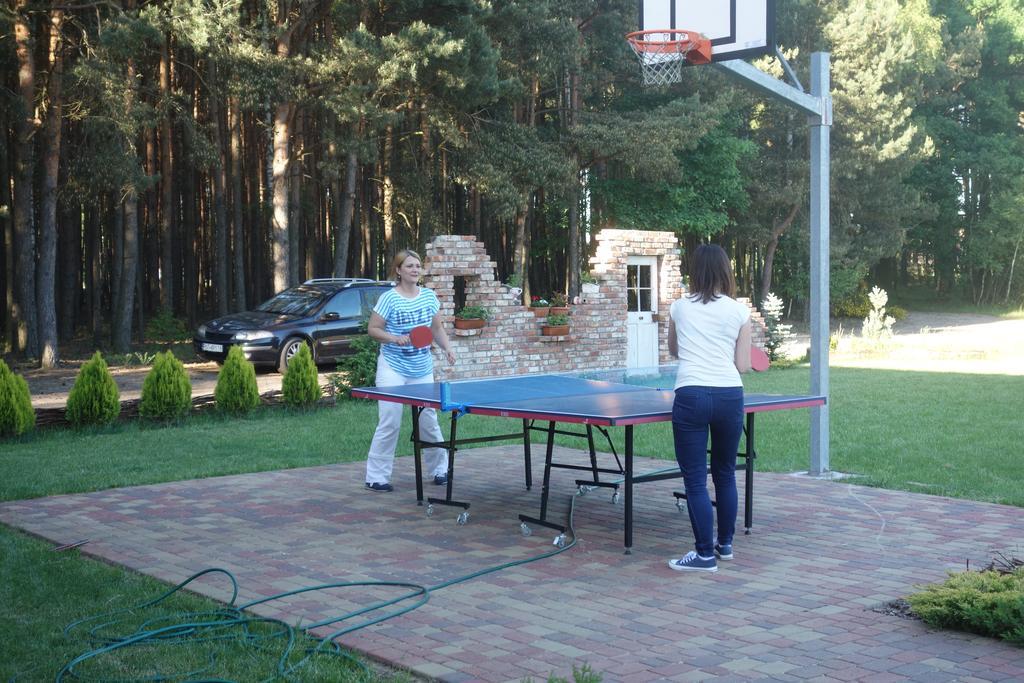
(800,602)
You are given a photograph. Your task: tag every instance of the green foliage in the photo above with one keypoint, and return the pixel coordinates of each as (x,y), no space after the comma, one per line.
(587,278)
(358,369)
(166,391)
(856,306)
(237,391)
(474,313)
(16,413)
(164,327)
(897,312)
(514,280)
(537,302)
(558,319)
(133,358)
(558,300)
(989,602)
(94,399)
(300,387)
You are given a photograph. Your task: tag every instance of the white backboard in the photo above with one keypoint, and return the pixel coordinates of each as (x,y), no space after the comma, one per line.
(738,29)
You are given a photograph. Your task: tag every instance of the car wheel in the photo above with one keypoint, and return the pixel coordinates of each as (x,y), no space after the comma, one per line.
(288,350)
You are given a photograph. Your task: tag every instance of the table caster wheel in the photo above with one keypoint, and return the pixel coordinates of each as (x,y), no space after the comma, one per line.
(430,510)
(681,506)
(581,490)
(526,530)
(559,541)
(615,498)
(463,518)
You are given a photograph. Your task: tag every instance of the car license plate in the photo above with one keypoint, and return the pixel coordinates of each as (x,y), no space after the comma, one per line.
(213,348)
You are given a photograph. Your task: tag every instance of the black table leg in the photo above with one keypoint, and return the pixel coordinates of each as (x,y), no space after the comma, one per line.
(748,484)
(629,489)
(417,449)
(526,454)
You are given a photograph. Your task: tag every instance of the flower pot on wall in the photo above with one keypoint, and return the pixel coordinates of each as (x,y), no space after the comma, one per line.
(590,288)
(554,330)
(558,310)
(469,323)
(540,311)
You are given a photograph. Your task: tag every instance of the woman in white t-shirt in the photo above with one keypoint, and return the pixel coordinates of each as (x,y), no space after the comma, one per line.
(397,312)
(709,332)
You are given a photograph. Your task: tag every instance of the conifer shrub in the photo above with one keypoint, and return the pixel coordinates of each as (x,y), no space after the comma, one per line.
(94,399)
(16,413)
(237,391)
(166,391)
(990,603)
(301,387)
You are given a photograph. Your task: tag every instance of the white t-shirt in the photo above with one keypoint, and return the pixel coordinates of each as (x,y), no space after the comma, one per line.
(706,335)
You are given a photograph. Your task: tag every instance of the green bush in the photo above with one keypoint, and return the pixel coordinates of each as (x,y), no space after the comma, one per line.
(16,413)
(990,603)
(301,386)
(94,399)
(237,391)
(855,306)
(358,369)
(164,327)
(166,391)
(897,312)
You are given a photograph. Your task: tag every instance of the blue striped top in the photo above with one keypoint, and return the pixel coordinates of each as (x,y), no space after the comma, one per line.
(400,316)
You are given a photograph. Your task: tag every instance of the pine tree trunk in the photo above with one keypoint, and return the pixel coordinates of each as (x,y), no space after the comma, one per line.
(237,227)
(347,202)
(122,332)
(220,214)
(167,270)
(23,312)
(769,250)
(94,272)
(46,274)
(279,200)
(388,199)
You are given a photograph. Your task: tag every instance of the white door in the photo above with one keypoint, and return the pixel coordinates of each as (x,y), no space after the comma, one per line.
(641,305)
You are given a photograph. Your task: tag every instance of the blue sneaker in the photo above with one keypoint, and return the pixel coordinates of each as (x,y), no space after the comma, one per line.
(692,562)
(441,479)
(723,552)
(377,486)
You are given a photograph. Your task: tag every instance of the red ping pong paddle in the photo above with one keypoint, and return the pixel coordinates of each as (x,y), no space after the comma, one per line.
(421,337)
(759,360)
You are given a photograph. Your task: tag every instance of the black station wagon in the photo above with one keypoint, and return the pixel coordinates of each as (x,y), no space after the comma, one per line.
(325,313)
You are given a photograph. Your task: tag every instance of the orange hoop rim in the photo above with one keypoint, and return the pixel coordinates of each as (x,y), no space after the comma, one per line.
(694,47)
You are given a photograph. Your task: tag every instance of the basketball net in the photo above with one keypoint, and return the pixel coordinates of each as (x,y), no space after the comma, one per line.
(663,52)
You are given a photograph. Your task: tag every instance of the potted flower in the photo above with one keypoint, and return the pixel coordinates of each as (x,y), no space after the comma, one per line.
(588,283)
(558,304)
(472,318)
(539,306)
(557,325)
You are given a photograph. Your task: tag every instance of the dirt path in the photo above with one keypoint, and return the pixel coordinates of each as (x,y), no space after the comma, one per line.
(942,342)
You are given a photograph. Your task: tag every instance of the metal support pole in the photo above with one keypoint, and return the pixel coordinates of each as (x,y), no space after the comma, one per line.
(820,127)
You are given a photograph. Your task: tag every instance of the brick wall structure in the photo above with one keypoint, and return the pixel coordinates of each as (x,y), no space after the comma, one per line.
(511,342)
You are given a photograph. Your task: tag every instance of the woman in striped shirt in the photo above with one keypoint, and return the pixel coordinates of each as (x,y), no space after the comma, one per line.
(397,312)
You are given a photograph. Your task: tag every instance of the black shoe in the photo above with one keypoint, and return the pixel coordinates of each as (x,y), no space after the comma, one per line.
(379,487)
(440,479)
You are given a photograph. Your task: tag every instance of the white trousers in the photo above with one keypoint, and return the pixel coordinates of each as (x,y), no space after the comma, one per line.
(381,458)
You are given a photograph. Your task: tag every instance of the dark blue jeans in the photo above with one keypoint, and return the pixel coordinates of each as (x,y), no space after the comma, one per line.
(696,411)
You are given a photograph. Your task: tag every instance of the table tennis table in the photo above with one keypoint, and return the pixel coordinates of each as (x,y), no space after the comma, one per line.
(606,398)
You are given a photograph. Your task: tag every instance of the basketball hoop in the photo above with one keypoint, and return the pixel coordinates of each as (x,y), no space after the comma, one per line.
(662,53)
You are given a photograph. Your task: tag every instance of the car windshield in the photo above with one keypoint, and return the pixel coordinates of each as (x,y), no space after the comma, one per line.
(296,301)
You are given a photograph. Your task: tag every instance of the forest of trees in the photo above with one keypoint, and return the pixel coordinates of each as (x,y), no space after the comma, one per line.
(196,156)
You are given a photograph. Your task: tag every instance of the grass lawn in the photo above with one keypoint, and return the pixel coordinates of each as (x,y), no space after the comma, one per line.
(935,433)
